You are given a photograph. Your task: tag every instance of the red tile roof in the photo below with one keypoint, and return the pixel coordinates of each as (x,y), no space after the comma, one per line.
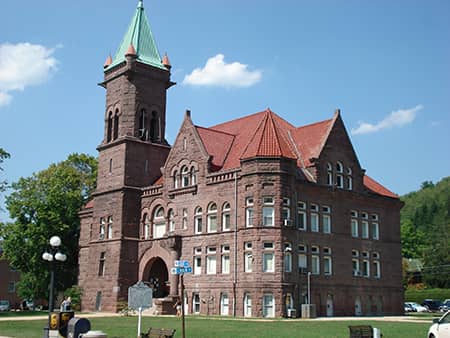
(377,188)
(217,144)
(89,204)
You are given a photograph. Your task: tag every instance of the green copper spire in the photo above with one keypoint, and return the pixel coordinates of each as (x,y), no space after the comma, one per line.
(140,36)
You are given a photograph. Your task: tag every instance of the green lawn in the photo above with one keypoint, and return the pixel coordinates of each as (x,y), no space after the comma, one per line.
(126,327)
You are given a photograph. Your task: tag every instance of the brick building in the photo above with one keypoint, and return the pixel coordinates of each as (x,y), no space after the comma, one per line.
(254,204)
(9,277)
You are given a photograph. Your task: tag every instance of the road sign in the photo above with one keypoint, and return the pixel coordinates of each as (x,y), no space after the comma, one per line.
(180,270)
(181,264)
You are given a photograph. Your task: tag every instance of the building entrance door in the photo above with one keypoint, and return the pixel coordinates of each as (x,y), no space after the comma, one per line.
(358,310)
(158,278)
(330,311)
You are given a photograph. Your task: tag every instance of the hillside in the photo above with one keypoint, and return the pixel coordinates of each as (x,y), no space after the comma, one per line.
(425,222)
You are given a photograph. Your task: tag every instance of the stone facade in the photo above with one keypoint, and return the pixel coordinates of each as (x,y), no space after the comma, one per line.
(276,204)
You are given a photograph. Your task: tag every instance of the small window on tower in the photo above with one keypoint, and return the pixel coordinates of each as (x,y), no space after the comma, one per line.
(116,125)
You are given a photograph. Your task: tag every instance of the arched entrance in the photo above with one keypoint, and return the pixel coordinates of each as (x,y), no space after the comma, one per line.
(157,277)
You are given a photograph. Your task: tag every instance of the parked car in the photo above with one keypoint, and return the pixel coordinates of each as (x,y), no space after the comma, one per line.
(409,308)
(417,307)
(432,304)
(440,327)
(4,305)
(445,306)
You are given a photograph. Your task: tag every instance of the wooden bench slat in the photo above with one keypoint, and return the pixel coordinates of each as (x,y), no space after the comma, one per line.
(154,332)
(361,331)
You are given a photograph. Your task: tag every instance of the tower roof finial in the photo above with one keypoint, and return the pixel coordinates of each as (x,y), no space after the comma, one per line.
(141,4)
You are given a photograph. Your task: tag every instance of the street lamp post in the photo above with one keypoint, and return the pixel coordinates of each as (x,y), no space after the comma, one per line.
(51,256)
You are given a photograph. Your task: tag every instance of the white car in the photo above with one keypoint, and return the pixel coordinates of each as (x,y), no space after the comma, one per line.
(417,307)
(440,327)
(4,305)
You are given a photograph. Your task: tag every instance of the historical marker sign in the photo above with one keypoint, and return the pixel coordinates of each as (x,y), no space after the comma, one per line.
(140,296)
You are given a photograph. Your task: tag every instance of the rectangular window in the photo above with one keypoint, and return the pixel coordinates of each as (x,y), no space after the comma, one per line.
(302,248)
(314,207)
(11,287)
(288,262)
(354,226)
(366,269)
(327,267)
(185,219)
(355,253)
(196,303)
(197,266)
(286,212)
(375,231)
(268,215)
(268,200)
(101,265)
(315,265)
(198,224)
(364,215)
(159,230)
(110,228)
(376,269)
(268,262)
(374,217)
(212,223)
(355,267)
(354,213)
(268,306)
(315,249)
(226,224)
(302,261)
(339,181)
(225,259)
(247,305)
(326,224)
(314,222)
(248,261)
(102,228)
(249,213)
(211,265)
(301,205)
(364,229)
(301,220)
(326,251)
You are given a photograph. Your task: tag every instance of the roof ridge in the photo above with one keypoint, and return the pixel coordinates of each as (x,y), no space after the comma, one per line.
(315,123)
(253,136)
(280,136)
(238,119)
(214,130)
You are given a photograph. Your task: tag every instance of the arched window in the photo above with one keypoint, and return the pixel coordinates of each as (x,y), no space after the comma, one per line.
(329,174)
(226,219)
(339,167)
(339,176)
(247,305)
(159,223)
(109,127)
(212,217)
(198,220)
(146,231)
(109,228)
(116,125)
(184,176)
(171,217)
(193,176)
(143,128)
(154,127)
(175,179)
(349,179)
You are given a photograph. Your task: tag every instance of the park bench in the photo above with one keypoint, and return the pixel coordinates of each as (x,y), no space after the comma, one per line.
(158,333)
(361,331)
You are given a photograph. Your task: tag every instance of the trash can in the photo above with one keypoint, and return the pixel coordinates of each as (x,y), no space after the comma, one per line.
(77,326)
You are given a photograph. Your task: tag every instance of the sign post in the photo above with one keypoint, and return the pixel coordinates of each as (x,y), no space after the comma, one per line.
(181,267)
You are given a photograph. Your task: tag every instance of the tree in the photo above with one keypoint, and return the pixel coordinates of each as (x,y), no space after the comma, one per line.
(43,205)
(3,156)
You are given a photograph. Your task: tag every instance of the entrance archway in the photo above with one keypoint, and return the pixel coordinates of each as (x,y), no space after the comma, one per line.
(157,277)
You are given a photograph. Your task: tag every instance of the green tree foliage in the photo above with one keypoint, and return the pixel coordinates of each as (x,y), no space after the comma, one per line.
(3,156)
(43,205)
(425,226)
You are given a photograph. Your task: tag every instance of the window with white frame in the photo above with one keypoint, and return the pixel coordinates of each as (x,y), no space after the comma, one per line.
(355,267)
(376,269)
(224,304)
(212,217)
(315,264)
(197,261)
(354,213)
(339,181)
(375,231)
(185,219)
(159,223)
(287,257)
(268,257)
(326,219)
(249,212)
(248,257)
(226,218)
(365,229)
(185,176)
(329,174)
(286,212)
(301,215)
(327,261)
(196,303)
(146,226)
(198,220)
(171,220)
(109,233)
(349,179)
(193,176)
(102,229)
(268,305)
(365,268)
(211,261)
(354,226)
(314,222)
(225,259)
(247,305)
(268,211)
(365,254)
(302,261)
(175,179)
(364,215)
(101,265)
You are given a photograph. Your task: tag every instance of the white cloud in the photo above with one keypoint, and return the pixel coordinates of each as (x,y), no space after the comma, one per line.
(23,65)
(217,72)
(397,118)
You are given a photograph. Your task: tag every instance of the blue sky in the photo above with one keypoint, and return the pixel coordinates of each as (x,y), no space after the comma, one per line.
(385,64)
